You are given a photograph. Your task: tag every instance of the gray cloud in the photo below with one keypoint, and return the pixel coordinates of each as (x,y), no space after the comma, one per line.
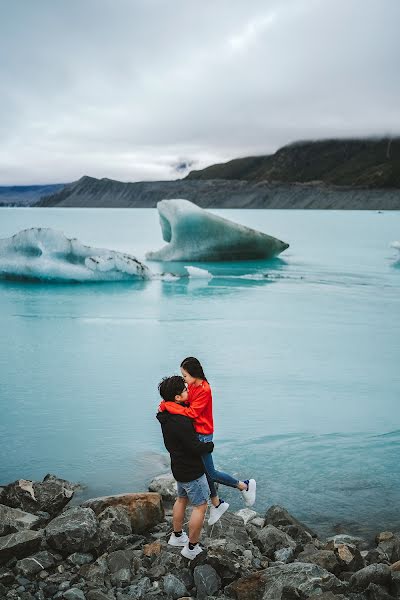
(124,89)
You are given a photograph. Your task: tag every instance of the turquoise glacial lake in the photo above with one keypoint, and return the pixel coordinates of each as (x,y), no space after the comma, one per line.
(302,354)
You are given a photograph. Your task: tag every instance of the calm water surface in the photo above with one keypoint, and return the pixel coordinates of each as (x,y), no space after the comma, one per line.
(302,354)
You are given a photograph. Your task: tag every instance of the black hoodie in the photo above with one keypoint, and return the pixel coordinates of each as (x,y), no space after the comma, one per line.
(182,443)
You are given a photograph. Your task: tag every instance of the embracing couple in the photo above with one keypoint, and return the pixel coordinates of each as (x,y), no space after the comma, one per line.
(186,418)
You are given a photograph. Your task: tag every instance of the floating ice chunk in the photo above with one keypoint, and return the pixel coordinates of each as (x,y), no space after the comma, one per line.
(48,255)
(196,273)
(195,234)
(396,245)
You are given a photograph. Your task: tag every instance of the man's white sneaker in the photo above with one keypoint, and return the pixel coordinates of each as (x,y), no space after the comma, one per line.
(217,512)
(181,540)
(249,495)
(191,554)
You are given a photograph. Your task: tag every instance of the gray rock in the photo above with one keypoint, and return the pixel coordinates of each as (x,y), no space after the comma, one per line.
(6,576)
(36,563)
(145,510)
(95,573)
(349,557)
(114,523)
(229,561)
(389,543)
(74,594)
(207,581)
(121,578)
(165,485)
(269,584)
(174,587)
(139,589)
(19,544)
(284,555)
(379,574)
(258,522)
(156,572)
(326,559)
(395,584)
(375,556)
(246,514)
(229,528)
(343,538)
(80,558)
(73,531)
(99,595)
(14,519)
(280,517)
(119,560)
(50,495)
(270,539)
(376,592)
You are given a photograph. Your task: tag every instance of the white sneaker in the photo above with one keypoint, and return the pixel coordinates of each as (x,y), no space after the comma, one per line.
(217,512)
(191,554)
(181,540)
(249,495)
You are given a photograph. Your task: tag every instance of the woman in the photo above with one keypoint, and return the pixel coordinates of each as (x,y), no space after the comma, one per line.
(200,410)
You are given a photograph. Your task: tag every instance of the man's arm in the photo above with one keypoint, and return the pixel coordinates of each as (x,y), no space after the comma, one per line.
(191,442)
(193,411)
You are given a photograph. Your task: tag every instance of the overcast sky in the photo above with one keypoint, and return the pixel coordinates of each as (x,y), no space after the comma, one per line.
(137,89)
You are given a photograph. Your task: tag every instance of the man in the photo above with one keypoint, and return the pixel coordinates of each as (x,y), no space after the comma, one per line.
(185,450)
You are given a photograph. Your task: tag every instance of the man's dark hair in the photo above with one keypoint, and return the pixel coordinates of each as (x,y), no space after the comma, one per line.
(193,366)
(169,387)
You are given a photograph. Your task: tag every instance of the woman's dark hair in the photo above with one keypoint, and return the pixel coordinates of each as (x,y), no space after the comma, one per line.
(193,366)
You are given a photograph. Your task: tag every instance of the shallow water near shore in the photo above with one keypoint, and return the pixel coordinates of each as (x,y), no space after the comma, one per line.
(302,354)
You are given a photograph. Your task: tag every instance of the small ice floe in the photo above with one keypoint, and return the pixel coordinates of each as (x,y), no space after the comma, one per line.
(193,234)
(47,255)
(196,273)
(396,245)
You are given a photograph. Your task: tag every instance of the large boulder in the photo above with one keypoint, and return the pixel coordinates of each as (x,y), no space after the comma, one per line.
(14,519)
(230,528)
(206,580)
(19,545)
(49,495)
(144,510)
(174,587)
(114,527)
(326,559)
(379,574)
(281,518)
(276,582)
(389,543)
(34,564)
(230,561)
(73,531)
(270,539)
(165,485)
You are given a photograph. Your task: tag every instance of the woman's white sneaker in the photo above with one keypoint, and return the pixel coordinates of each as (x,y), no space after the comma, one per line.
(191,554)
(180,540)
(249,495)
(216,512)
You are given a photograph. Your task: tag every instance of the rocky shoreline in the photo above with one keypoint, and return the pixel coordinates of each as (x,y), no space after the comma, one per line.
(115,548)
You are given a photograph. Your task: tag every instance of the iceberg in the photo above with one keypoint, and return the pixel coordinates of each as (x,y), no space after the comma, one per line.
(194,234)
(47,255)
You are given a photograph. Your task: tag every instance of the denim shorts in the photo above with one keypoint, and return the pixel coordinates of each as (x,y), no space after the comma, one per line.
(197,491)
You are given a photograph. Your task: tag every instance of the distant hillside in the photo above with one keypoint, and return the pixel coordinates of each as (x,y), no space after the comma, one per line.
(220,193)
(368,163)
(338,174)
(26,195)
